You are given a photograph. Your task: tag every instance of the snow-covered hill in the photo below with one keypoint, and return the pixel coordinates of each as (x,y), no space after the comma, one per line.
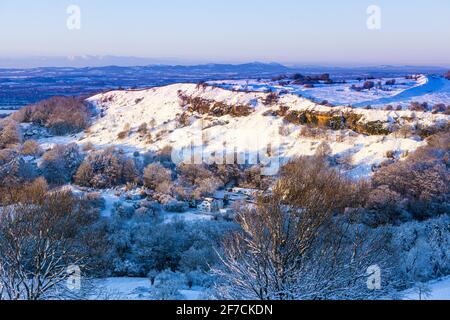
(247,121)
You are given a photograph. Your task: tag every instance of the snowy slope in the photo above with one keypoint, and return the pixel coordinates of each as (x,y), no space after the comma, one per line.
(161,106)
(430,89)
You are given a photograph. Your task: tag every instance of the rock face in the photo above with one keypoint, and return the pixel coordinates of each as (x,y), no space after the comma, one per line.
(338,121)
(214,108)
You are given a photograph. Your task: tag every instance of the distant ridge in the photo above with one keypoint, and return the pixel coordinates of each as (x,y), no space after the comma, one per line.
(22,86)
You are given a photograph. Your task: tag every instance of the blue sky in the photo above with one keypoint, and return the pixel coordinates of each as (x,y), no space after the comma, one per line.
(286,31)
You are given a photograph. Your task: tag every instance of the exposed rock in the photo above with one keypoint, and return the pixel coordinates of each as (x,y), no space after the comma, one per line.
(336,120)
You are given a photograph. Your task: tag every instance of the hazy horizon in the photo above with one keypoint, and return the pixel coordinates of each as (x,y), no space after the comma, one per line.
(289,32)
(25,62)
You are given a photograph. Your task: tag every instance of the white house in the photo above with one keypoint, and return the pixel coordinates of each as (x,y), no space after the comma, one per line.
(245,191)
(210,205)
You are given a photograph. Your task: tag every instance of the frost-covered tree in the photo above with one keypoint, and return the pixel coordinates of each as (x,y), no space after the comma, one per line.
(199,179)
(14,170)
(43,233)
(422,250)
(155,175)
(323,150)
(297,243)
(106,168)
(60,164)
(422,180)
(168,284)
(61,115)
(10,134)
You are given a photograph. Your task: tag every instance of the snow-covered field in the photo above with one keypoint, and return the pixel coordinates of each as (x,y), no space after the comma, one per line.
(430,89)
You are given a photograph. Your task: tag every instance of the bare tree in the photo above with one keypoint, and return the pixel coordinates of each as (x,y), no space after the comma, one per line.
(40,238)
(10,134)
(155,175)
(297,243)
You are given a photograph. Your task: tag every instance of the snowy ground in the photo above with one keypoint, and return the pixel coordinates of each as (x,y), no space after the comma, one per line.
(49,143)
(189,216)
(438,290)
(430,89)
(140,289)
(6,111)
(110,197)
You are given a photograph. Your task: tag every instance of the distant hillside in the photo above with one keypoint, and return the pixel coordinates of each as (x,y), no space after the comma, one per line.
(19,87)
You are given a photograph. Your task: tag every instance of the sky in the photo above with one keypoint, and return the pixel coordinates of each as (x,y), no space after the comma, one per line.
(327,32)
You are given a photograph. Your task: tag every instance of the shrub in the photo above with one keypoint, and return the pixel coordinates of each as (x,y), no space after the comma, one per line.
(271,99)
(14,170)
(301,227)
(164,155)
(390,154)
(207,187)
(284,131)
(422,249)
(106,169)
(62,115)
(184,119)
(155,174)
(191,174)
(125,132)
(10,134)
(130,174)
(447,75)
(143,129)
(440,107)
(88,146)
(422,179)
(176,206)
(323,151)
(252,178)
(199,179)
(406,131)
(390,82)
(61,163)
(439,141)
(31,148)
(419,107)
(368,85)
(447,111)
